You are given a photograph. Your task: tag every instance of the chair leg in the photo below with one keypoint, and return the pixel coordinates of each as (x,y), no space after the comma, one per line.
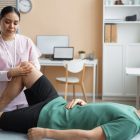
(83,90)
(66,90)
(43,69)
(74,91)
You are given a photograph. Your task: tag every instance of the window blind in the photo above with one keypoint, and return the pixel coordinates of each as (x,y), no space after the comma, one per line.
(4,3)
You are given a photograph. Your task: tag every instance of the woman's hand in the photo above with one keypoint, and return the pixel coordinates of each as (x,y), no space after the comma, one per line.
(36,133)
(75,102)
(23,69)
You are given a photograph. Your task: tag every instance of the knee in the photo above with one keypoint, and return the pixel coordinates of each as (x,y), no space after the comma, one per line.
(28,65)
(24,63)
(16,80)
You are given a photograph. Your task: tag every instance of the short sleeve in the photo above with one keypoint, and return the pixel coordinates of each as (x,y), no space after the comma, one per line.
(3,76)
(34,54)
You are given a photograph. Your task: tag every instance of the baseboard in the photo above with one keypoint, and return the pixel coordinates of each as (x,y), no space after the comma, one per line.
(118,98)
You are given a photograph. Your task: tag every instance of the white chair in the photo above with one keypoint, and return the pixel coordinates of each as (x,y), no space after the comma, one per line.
(73,67)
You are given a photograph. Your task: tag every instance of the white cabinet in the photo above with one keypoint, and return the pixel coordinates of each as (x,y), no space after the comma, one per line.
(132,59)
(121,47)
(112,70)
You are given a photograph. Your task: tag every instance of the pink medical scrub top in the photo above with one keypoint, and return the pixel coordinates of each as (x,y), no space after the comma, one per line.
(23,49)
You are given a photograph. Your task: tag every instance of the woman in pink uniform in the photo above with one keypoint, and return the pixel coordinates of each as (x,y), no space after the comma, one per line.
(14,49)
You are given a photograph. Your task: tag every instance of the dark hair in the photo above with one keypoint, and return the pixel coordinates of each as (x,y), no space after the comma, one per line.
(9,9)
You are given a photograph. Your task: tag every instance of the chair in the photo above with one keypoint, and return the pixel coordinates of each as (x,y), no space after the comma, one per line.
(73,67)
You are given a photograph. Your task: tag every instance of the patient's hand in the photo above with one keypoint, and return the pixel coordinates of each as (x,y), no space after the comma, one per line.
(36,133)
(75,102)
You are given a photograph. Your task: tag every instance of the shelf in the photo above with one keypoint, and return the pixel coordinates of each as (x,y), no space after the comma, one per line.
(119,44)
(121,22)
(134,44)
(121,6)
(112,44)
(121,47)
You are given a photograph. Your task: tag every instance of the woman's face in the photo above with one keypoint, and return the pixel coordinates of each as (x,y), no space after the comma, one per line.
(9,24)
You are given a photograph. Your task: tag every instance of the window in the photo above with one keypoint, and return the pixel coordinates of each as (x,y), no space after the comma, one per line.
(4,3)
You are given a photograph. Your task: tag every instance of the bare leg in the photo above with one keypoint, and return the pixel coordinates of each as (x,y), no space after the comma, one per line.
(1,113)
(15,86)
(31,78)
(75,134)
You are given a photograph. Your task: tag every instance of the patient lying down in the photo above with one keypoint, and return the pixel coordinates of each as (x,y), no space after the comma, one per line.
(50,116)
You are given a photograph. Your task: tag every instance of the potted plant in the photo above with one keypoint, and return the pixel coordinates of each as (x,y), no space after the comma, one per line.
(118,2)
(82,54)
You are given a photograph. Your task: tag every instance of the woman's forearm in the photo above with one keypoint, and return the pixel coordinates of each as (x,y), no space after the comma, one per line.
(74,134)
(71,134)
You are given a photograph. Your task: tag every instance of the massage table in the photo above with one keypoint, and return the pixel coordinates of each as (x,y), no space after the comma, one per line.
(18,136)
(14,136)
(137,137)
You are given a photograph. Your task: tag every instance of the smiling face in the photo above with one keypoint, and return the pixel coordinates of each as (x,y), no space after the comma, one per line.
(9,25)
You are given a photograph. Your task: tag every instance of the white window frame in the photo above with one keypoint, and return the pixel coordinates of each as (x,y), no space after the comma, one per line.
(4,3)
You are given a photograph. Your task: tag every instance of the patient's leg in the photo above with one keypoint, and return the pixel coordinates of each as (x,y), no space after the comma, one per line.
(1,113)
(32,77)
(15,86)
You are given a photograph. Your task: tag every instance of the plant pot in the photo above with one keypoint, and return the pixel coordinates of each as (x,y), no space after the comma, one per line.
(82,55)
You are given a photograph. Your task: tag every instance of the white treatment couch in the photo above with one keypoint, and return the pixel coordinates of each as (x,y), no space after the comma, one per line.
(17,136)
(14,136)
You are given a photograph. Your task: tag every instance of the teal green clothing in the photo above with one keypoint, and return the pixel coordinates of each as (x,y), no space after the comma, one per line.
(119,122)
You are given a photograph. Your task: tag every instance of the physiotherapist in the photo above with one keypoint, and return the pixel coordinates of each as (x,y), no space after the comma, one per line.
(14,49)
